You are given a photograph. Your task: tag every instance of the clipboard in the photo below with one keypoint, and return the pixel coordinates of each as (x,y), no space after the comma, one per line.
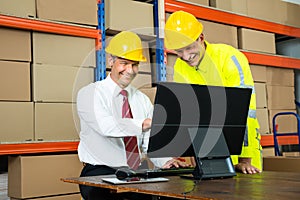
(134,180)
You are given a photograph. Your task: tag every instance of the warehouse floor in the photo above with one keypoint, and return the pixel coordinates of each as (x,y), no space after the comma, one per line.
(3,186)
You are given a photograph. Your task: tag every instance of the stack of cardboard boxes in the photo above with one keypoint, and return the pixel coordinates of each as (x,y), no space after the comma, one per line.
(277,11)
(40,75)
(16,108)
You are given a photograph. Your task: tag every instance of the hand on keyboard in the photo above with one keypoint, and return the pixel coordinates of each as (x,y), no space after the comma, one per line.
(176,163)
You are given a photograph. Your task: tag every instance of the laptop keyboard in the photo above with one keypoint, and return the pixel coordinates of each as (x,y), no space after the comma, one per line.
(152,173)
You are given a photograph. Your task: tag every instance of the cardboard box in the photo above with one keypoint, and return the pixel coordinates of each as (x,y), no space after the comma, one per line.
(15,44)
(38,176)
(266,10)
(291,154)
(146,66)
(74,11)
(281,163)
(140,22)
(196,2)
(56,83)
(268,151)
(15,81)
(290,14)
(212,32)
(261,95)
(259,73)
(280,97)
(263,119)
(150,92)
(285,123)
(280,76)
(171,60)
(239,7)
(169,78)
(59,197)
(23,8)
(56,121)
(142,80)
(16,121)
(256,40)
(63,50)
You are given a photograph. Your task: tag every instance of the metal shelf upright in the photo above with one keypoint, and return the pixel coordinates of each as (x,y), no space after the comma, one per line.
(158,6)
(100,72)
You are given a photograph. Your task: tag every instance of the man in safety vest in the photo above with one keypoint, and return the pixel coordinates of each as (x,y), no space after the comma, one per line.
(200,62)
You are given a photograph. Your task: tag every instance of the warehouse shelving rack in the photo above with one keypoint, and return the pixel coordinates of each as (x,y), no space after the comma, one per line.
(49,27)
(207,13)
(100,71)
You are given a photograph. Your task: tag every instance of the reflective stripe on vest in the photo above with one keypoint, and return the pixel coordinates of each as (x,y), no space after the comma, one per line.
(240,70)
(242,84)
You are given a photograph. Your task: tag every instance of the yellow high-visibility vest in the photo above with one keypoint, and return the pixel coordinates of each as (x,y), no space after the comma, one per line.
(223,65)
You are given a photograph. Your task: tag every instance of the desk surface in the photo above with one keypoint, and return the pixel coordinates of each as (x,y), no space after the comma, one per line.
(266,185)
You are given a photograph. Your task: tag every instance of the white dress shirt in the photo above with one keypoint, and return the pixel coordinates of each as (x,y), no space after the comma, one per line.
(99,107)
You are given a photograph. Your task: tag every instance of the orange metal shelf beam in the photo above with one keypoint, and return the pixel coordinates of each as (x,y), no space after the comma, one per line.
(212,14)
(267,59)
(272,60)
(44,26)
(51,147)
(43,147)
(267,140)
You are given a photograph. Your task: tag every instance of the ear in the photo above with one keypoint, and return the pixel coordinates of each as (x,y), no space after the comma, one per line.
(201,37)
(110,60)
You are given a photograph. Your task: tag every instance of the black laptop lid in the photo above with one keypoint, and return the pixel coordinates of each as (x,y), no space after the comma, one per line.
(179,107)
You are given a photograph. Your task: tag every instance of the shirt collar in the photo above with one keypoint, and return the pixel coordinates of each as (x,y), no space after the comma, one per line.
(206,58)
(113,86)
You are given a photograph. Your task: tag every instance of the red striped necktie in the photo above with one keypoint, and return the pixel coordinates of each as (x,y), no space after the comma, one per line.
(131,146)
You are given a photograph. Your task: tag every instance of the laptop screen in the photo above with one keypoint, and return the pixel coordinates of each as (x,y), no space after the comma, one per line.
(208,110)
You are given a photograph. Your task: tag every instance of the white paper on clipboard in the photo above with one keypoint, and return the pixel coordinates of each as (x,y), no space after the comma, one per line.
(116,181)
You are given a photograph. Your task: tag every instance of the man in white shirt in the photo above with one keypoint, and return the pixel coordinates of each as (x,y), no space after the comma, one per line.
(103,128)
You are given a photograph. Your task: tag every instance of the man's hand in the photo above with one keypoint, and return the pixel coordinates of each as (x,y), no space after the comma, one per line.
(175,162)
(146,124)
(245,166)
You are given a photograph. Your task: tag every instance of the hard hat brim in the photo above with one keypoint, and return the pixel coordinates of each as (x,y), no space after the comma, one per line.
(176,40)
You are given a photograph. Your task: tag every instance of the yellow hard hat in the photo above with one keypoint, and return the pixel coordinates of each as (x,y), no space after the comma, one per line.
(126,45)
(181,30)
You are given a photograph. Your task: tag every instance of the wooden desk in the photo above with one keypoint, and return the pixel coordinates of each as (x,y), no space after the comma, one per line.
(267,185)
